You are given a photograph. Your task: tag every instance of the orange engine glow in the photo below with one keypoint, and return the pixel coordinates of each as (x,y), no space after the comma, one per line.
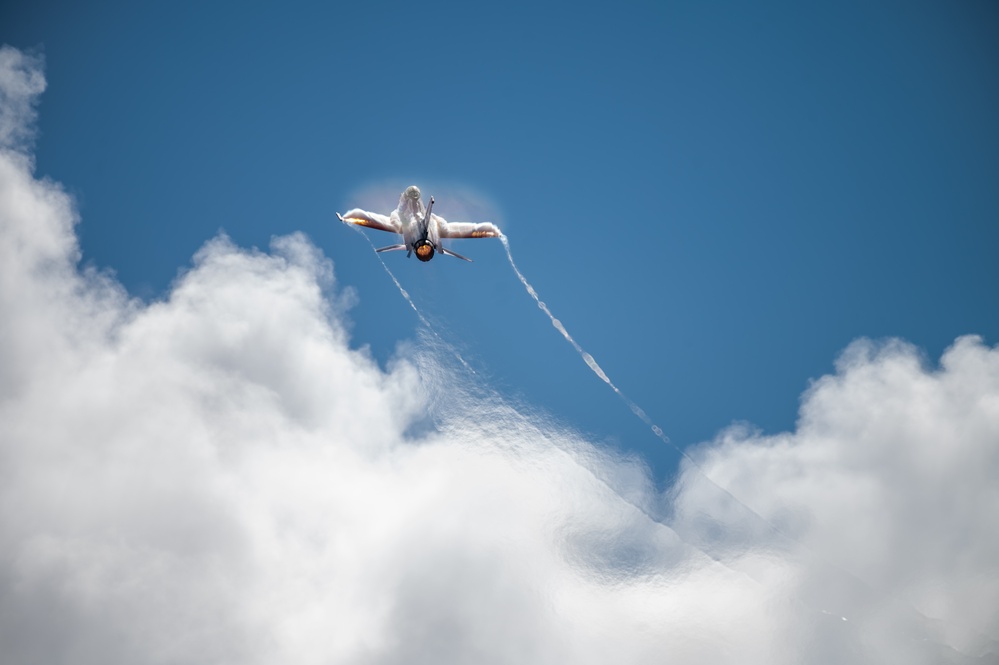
(424,250)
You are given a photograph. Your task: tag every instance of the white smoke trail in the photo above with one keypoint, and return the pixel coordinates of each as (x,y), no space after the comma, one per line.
(637,410)
(409,299)
(741,544)
(587,358)
(767,524)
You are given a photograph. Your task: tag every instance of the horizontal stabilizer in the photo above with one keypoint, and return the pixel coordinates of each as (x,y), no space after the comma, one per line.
(455,255)
(391,248)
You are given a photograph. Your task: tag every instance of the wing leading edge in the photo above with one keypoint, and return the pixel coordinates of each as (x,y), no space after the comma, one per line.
(466,229)
(371,220)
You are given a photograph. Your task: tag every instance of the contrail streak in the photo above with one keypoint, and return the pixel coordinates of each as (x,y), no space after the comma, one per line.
(637,410)
(587,358)
(405,294)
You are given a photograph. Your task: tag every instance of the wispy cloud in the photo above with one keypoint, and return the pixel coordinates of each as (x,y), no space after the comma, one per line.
(21,82)
(220,477)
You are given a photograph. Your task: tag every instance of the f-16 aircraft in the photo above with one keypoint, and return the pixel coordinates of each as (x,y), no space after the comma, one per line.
(421,230)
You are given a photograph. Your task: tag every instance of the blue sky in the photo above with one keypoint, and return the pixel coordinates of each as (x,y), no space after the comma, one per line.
(715,199)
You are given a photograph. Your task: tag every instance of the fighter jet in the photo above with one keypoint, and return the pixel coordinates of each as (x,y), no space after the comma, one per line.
(421,230)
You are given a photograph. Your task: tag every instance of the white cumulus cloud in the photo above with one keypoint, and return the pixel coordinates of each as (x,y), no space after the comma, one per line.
(221,477)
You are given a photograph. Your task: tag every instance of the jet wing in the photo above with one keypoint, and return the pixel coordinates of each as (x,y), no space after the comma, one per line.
(372,220)
(466,229)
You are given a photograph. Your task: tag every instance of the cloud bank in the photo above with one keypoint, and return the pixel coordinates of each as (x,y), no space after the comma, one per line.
(221,477)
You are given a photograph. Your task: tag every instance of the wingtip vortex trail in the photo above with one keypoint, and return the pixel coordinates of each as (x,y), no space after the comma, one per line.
(587,358)
(592,363)
(640,413)
(423,319)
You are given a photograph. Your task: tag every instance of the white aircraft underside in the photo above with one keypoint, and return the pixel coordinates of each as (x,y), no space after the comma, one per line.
(421,230)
